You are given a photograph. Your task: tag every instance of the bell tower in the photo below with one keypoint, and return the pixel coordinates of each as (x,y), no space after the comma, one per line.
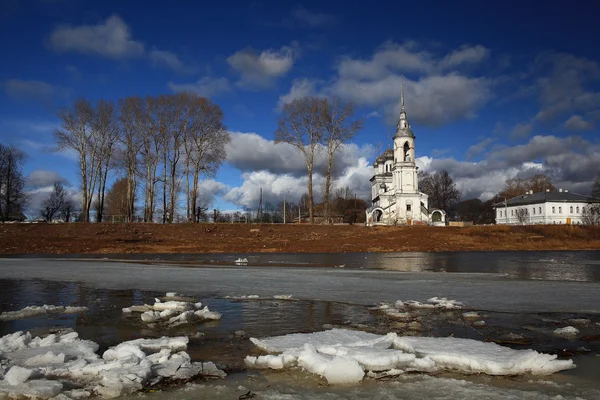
(405,173)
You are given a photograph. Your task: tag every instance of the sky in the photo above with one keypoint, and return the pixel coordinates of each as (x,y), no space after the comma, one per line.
(493,90)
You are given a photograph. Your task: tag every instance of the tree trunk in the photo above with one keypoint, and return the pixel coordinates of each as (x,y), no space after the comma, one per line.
(164,219)
(310,195)
(328,189)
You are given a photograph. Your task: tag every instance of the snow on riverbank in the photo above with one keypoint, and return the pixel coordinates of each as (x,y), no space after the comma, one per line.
(173,312)
(45,367)
(33,311)
(338,354)
(257,297)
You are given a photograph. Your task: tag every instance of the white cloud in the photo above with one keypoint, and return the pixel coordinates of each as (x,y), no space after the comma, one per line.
(42,178)
(252,152)
(521,130)
(313,18)
(478,148)
(577,123)
(465,55)
(38,195)
(300,88)
(170,60)
(205,87)
(33,90)
(260,70)
(433,97)
(209,189)
(111,38)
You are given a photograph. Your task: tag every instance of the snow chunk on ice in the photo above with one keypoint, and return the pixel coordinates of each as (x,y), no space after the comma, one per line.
(173,312)
(32,311)
(315,351)
(566,331)
(343,371)
(17,375)
(37,365)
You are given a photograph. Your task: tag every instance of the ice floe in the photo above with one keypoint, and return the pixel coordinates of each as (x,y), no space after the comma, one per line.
(568,331)
(241,261)
(33,311)
(257,297)
(45,367)
(343,349)
(173,312)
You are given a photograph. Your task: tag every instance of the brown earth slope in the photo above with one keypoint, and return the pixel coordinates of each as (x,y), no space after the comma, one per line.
(242,238)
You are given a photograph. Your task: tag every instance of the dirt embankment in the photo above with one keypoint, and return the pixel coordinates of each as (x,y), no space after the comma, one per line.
(242,238)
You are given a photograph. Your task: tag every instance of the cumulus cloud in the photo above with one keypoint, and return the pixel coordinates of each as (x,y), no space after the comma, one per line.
(313,18)
(567,85)
(465,55)
(205,87)
(39,194)
(434,96)
(521,131)
(43,178)
(32,90)
(577,123)
(252,152)
(169,60)
(111,38)
(478,148)
(209,189)
(571,162)
(280,168)
(260,70)
(300,88)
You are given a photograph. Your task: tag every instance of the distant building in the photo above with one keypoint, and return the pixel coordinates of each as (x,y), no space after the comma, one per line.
(549,207)
(395,192)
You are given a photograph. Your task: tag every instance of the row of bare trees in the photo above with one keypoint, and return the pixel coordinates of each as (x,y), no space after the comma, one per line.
(313,124)
(155,142)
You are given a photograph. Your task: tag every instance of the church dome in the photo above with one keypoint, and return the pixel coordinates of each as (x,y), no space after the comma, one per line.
(388,154)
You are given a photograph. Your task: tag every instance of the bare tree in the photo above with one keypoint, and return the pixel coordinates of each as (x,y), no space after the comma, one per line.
(77,133)
(301,124)
(150,152)
(67,210)
(13,198)
(107,133)
(440,188)
(517,186)
(206,138)
(117,201)
(596,188)
(521,214)
(340,126)
(132,118)
(590,215)
(54,202)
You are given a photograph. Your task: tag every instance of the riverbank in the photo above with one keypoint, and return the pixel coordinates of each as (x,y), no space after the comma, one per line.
(79,238)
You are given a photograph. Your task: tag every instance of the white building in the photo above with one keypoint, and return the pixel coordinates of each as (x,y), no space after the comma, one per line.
(549,207)
(395,187)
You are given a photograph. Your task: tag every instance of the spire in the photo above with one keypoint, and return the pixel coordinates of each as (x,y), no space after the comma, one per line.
(403,127)
(402,96)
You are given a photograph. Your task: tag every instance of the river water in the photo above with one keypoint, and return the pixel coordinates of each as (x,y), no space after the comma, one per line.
(524,293)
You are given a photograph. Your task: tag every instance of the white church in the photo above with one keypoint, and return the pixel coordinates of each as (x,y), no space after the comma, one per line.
(395,195)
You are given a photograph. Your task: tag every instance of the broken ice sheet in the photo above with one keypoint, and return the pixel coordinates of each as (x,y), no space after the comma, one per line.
(35,367)
(173,312)
(32,311)
(316,351)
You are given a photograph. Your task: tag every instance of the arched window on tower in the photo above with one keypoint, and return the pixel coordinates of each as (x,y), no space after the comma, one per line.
(407,152)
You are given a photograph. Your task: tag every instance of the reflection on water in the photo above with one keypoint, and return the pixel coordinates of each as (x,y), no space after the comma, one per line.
(546,265)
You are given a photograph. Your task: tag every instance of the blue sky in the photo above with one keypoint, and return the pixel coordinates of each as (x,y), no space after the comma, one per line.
(493,90)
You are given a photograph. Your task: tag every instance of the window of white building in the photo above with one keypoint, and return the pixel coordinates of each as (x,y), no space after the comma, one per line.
(571,209)
(560,210)
(540,210)
(512,213)
(577,209)
(533,210)
(553,210)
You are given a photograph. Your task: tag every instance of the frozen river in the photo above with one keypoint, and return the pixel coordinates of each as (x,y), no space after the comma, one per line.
(520,292)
